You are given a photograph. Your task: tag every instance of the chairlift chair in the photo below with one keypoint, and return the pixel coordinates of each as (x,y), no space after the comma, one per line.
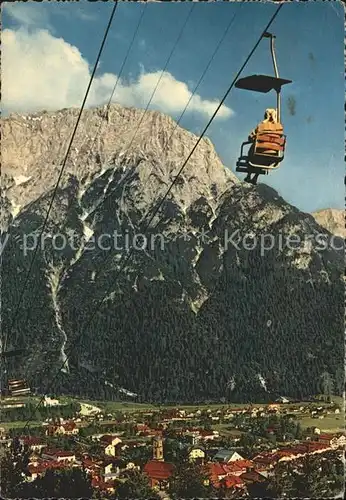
(268,148)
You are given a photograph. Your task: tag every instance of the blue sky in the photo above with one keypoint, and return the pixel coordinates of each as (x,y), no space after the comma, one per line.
(309,45)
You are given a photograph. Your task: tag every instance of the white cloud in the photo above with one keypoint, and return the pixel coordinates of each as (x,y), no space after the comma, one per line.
(171,95)
(40,71)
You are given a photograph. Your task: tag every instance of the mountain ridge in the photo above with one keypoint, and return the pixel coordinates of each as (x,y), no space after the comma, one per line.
(333,220)
(184,322)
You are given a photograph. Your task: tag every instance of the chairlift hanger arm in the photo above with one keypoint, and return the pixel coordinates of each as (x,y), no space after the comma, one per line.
(276,71)
(272,49)
(264,83)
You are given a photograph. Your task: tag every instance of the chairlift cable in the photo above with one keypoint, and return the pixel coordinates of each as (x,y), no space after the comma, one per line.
(153,93)
(162,73)
(215,113)
(64,164)
(108,105)
(129,255)
(119,75)
(190,98)
(181,115)
(148,104)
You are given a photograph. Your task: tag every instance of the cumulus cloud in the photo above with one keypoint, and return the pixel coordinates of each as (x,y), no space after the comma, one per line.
(41,71)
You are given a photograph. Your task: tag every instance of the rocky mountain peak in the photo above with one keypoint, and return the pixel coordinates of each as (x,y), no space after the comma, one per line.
(223,305)
(333,220)
(33,148)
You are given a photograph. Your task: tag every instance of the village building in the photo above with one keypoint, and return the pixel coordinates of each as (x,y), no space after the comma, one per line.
(219,475)
(110,444)
(226,456)
(63,429)
(59,456)
(47,402)
(197,454)
(33,443)
(158,471)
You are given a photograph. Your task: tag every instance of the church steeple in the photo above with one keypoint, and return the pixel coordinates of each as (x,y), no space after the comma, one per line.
(158,448)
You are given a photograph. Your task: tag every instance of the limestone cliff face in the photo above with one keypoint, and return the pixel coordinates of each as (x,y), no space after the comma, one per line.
(216,305)
(33,149)
(333,220)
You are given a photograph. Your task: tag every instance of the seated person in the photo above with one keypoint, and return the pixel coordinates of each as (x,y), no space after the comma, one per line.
(269,125)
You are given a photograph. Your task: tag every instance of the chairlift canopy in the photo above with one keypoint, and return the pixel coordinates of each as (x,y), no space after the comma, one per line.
(261,83)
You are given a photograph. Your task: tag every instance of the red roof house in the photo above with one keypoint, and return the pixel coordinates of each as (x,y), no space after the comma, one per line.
(221,475)
(231,482)
(158,472)
(59,456)
(34,443)
(252,477)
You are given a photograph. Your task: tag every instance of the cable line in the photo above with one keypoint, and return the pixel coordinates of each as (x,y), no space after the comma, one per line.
(119,74)
(162,73)
(147,106)
(179,119)
(130,252)
(101,122)
(215,113)
(104,261)
(146,109)
(64,164)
